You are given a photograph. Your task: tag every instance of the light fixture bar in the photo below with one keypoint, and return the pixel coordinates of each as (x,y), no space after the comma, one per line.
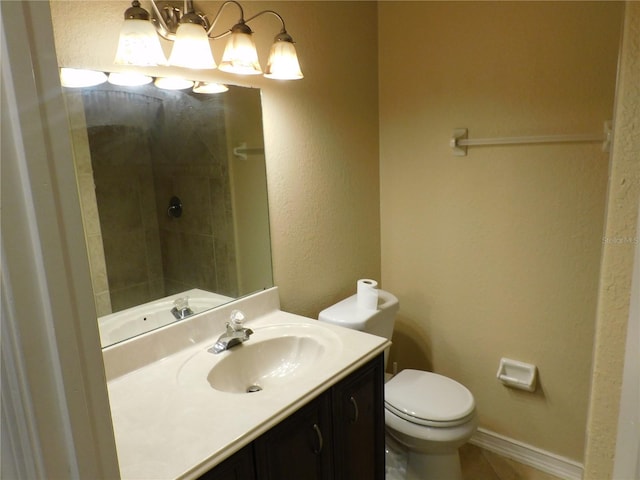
(159,22)
(215,19)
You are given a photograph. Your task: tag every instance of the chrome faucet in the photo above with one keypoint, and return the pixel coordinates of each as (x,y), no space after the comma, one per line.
(236,333)
(181,309)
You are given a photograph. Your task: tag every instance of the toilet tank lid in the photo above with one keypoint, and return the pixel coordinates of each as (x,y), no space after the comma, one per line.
(346,313)
(428,396)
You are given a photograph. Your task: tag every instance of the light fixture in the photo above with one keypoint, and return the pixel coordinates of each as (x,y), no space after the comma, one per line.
(138,43)
(283,61)
(129,79)
(77,78)
(240,55)
(205,87)
(190,31)
(191,47)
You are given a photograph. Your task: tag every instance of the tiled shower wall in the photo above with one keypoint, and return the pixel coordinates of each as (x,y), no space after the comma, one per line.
(123,176)
(144,150)
(189,152)
(88,203)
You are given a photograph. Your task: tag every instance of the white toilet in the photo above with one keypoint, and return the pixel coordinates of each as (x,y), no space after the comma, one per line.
(429,415)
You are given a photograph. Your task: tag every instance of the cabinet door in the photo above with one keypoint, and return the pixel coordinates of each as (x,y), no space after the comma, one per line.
(239,466)
(299,448)
(358,424)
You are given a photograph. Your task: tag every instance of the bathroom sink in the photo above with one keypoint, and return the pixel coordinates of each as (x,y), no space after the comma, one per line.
(271,363)
(273,358)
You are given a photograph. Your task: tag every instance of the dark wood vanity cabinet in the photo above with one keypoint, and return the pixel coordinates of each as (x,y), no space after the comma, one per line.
(358,424)
(300,446)
(239,466)
(338,435)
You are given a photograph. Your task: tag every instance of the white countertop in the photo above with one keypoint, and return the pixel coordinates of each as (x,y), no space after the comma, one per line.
(170,423)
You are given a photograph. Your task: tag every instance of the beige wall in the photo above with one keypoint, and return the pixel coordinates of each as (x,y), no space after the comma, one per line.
(621,240)
(321,139)
(497,253)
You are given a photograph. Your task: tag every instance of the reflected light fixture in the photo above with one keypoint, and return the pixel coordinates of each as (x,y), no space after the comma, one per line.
(78,78)
(173,83)
(205,87)
(190,33)
(128,79)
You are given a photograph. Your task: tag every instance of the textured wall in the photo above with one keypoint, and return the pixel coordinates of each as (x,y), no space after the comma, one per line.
(620,241)
(321,138)
(497,253)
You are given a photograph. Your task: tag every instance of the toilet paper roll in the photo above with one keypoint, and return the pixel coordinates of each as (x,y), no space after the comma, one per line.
(367,294)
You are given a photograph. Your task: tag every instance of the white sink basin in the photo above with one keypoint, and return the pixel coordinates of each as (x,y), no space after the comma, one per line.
(273,358)
(265,364)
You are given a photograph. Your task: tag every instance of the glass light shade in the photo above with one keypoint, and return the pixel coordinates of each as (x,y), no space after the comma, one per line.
(240,55)
(191,48)
(139,45)
(205,87)
(173,83)
(75,78)
(129,79)
(283,62)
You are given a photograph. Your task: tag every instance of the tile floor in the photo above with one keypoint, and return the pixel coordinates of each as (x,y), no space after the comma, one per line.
(479,464)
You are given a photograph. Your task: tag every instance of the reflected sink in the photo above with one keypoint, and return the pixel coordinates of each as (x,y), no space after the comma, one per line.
(272,358)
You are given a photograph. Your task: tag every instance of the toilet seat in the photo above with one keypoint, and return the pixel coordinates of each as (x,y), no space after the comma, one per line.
(428,399)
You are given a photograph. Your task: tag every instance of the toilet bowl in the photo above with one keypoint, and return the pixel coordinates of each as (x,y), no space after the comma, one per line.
(431,416)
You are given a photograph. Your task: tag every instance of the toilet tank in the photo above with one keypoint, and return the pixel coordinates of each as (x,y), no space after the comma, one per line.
(380,321)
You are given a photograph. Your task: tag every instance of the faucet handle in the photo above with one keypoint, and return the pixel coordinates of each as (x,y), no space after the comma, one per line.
(235,320)
(181,308)
(181,303)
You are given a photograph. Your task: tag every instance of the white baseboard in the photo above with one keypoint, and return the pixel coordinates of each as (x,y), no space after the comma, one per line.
(542,460)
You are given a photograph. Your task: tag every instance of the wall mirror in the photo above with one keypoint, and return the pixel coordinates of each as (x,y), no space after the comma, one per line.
(174,201)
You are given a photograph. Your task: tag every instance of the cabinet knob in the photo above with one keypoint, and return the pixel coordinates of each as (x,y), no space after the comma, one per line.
(317,450)
(356,413)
